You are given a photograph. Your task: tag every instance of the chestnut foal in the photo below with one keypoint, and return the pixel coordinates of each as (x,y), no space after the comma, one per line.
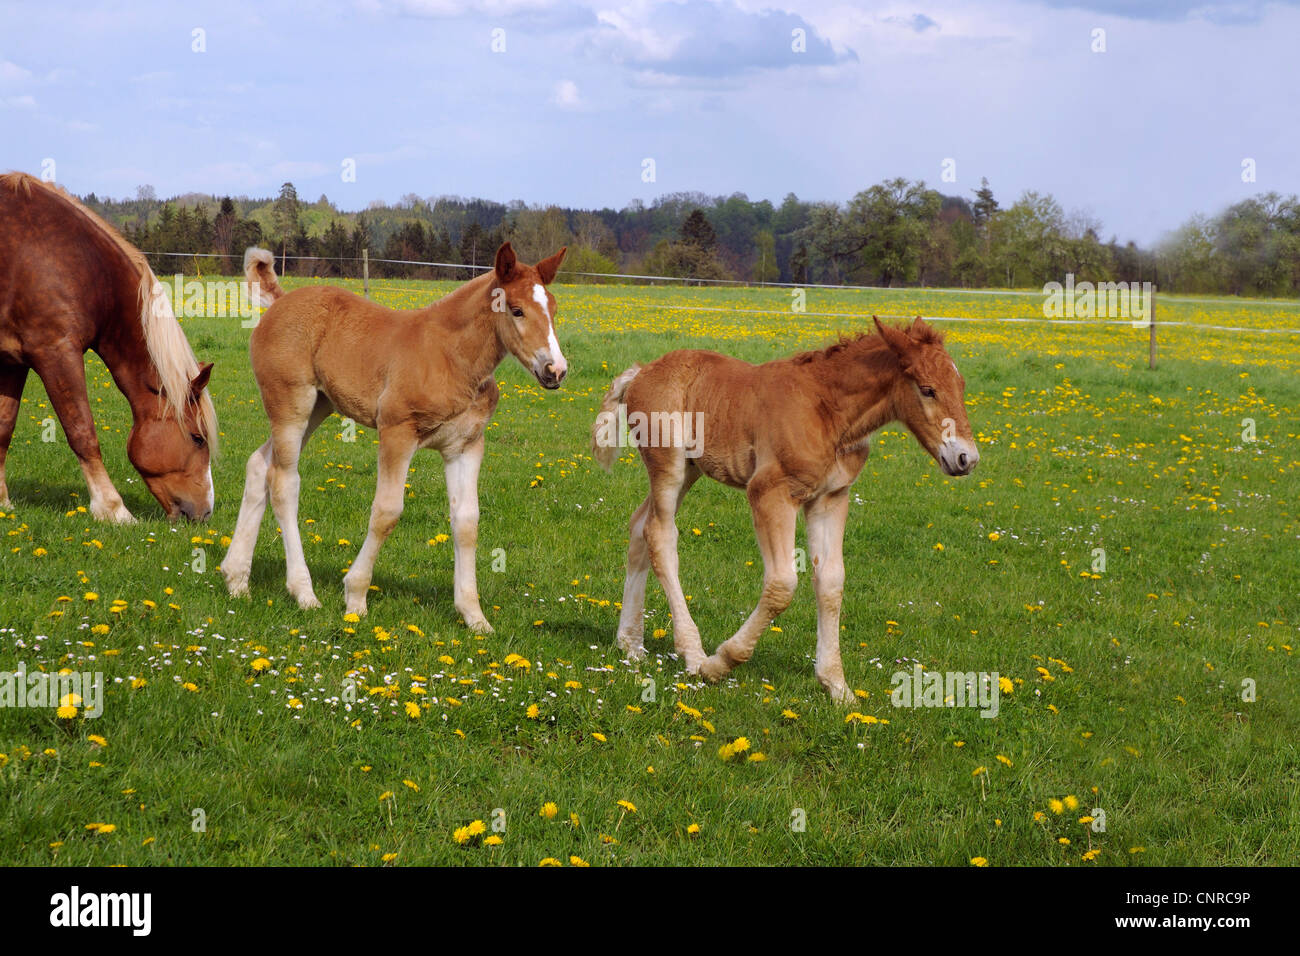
(424,378)
(794,434)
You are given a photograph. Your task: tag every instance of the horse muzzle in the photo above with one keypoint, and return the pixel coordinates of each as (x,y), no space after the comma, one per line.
(550,374)
(958,457)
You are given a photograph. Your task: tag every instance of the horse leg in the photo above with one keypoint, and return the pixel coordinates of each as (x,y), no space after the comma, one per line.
(668,480)
(239,556)
(631,622)
(825,518)
(396,446)
(292,415)
(461,472)
(774,520)
(65,382)
(12,379)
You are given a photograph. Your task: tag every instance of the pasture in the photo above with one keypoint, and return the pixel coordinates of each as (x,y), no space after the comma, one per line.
(1126,683)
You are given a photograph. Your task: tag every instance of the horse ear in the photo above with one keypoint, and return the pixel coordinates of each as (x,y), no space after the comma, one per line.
(918,328)
(200,381)
(547,268)
(897,341)
(505,261)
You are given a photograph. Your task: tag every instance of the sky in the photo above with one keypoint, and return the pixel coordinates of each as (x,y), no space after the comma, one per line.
(1135,114)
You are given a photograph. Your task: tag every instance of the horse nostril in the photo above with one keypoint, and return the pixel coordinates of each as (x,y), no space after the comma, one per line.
(962,459)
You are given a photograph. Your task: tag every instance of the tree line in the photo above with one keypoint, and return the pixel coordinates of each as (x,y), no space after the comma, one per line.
(895,233)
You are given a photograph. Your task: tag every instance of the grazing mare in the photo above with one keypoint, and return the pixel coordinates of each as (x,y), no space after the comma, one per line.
(423,378)
(69,282)
(794,434)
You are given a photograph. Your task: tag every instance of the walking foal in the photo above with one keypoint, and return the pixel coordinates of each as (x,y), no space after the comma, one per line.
(423,378)
(794,434)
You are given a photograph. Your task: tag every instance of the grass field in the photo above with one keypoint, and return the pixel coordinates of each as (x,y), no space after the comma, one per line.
(1127,684)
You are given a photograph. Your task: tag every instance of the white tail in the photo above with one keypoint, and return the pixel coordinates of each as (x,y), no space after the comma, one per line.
(603,450)
(259,273)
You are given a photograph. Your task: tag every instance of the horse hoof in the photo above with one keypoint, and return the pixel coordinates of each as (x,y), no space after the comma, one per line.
(712,669)
(842,695)
(479,625)
(631,645)
(309,602)
(113,514)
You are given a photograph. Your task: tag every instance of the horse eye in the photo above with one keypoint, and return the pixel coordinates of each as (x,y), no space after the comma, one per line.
(199,441)
(517,312)
(927,391)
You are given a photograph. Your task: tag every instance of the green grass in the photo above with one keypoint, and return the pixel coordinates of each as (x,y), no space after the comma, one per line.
(1140,712)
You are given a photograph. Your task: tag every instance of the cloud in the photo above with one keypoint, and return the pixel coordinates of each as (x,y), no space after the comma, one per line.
(1214,11)
(18,102)
(917,22)
(709,39)
(537,15)
(566,95)
(13,74)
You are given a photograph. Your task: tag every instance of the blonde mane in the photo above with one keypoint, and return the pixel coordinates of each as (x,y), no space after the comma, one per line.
(168,348)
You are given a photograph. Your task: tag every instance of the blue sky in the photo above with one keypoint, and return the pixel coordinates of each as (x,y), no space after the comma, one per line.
(1139,136)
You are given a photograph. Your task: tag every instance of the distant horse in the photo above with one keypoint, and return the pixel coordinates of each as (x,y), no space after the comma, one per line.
(424,378)
(69,282)
(794,434)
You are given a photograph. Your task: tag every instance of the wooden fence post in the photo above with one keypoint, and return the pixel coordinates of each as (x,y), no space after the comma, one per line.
(365,278)
(1151,316)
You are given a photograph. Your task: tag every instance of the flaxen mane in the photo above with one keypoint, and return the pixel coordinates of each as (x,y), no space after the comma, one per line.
(166,343)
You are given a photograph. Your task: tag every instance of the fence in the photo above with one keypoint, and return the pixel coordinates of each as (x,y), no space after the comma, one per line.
(1149,323)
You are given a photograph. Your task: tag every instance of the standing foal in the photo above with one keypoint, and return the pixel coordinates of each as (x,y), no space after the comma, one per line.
(794,434)
(423,378)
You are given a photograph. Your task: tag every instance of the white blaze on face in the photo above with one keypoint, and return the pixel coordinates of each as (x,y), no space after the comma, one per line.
(539,296)
(552,343)
(212,492)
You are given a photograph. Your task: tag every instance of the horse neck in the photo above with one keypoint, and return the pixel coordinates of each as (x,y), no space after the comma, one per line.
(859,381)
(121,344)
(465,315)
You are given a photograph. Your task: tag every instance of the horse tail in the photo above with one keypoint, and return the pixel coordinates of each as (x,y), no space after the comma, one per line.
(259,273)
(604,431)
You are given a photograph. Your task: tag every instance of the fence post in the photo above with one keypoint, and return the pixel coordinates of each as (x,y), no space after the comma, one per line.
(1151,349)
(365,273)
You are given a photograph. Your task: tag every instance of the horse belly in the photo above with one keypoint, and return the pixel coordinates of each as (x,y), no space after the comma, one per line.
(733,469)
(350,405)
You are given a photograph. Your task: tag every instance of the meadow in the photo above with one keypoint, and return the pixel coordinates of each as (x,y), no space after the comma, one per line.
(1125,557)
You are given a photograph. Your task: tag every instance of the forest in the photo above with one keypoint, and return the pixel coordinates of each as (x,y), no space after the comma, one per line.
(895,233)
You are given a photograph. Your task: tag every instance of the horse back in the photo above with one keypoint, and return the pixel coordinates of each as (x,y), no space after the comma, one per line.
(745,417)
(61,280)
(343,345)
